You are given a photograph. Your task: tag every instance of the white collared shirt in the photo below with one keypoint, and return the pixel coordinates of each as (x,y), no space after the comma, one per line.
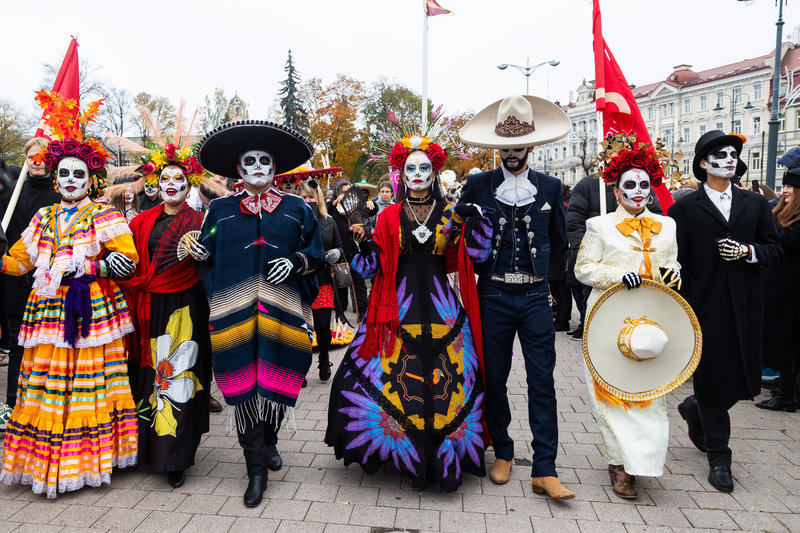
(515,190)
(723,201)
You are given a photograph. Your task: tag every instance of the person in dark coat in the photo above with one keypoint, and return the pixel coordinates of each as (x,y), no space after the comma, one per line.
(584,203)
(311,192)
(725,236)
(782,299)
(37,192)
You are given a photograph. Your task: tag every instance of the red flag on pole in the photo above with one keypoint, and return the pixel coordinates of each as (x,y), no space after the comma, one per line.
(432,8)
(615,100)
(67,83)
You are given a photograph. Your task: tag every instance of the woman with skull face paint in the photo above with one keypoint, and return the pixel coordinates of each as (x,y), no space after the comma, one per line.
(75,418)
(127,201)
(169,359)
(409,390)
(629,245)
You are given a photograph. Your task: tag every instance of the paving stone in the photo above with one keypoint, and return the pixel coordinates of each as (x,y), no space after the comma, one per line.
(77,516)
(399,498)
(593,526)
(121,498)
(508,524)
(282,509)
(529,506)
(710,518)
(121,518)
(663,516)
(339,528)
(330,513)
(757,521)
(368,515)
(357,495)
(460,521)
(441,501)
(208,522)
(617,512)
(417,519)
(304,474)
(715,500)
(254,525)
(234,506)
(38,528)
(166,521)
(38,512)
(481,503)
(315,492)
(554,525)
(293,526)
(161,501)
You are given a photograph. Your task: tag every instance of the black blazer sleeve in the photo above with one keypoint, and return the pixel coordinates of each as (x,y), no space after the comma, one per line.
(768,248)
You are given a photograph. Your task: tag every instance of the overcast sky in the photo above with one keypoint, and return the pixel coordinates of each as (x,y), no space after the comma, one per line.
(183,49)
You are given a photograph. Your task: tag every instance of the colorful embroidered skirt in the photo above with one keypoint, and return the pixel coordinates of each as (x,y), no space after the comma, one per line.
(74,420)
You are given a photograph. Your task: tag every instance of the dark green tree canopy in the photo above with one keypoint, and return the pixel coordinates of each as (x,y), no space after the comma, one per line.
(294,114)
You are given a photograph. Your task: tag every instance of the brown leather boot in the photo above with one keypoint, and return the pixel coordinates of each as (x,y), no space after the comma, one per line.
(552,486)
(501,471)
(621,482)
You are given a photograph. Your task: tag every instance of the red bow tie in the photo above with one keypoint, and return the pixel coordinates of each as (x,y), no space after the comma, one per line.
(267,201)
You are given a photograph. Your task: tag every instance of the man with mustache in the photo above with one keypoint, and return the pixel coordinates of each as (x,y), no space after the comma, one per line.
(529,225)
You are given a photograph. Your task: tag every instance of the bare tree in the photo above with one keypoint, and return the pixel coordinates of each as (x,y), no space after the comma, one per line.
(90,84)
(162,111)
(116,116)
(214,112)
(12,126)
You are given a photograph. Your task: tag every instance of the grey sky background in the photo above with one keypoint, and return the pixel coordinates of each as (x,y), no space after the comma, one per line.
(183,49)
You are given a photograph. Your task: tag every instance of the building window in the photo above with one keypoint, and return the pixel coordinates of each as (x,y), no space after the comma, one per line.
(720,99)
(667,135)
(719,126)
(757,91)
(737,95)
(564,152)
(701,130)
(651,112)
(668,109)
(686,165)
(703,102)
(782,122)
(755,161)
(687,134)
(573,174)
(756,125)
(737,126)
(798,121)
(687,105)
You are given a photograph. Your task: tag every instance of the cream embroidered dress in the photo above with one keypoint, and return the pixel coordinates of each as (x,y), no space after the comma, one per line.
(635,434)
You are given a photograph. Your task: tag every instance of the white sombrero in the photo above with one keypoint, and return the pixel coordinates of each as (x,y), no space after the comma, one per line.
(643,343)
(516,122)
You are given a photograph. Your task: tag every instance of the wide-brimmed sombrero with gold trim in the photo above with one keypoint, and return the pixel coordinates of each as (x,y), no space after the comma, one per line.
(643,343)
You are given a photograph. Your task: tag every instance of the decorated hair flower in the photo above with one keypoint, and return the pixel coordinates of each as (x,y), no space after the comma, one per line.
(154,162)
(65,122)
(399,152)
(621,153)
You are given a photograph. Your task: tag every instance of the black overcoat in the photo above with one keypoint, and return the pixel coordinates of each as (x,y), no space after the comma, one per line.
(782,304)
(727,296)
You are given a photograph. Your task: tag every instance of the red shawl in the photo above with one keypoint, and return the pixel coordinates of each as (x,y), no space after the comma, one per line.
(146,280)
(383,312)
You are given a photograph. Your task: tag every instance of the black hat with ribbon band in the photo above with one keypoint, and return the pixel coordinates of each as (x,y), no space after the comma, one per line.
(716,139)
(220,149)
(792,177)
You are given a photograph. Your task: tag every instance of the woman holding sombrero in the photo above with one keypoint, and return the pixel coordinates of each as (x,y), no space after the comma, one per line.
(628,353)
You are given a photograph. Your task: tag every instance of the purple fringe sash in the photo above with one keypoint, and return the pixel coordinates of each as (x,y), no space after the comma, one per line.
(77,308)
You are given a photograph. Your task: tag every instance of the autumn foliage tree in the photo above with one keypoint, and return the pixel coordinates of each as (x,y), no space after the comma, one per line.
(481,158)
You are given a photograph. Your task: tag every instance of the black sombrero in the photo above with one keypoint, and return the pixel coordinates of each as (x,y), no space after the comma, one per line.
(219,150)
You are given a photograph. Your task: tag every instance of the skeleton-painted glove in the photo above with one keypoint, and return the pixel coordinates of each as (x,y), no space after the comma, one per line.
(464,211)
(332,256)
(120,265)
(731,250)
(189,245)
(671,277)
(279,269)
(632,280)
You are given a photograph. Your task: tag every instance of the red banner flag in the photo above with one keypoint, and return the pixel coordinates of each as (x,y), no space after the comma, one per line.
(615,100)
(67,83)
(432,8)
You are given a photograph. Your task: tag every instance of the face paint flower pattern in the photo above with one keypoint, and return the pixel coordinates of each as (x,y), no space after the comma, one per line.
(175,383)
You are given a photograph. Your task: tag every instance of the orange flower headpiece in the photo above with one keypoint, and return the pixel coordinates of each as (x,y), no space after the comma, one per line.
(156,161)
(66,123)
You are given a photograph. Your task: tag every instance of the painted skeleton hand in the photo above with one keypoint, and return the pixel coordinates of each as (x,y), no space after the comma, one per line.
(191,246)
(671,277)
(279,269)
(332,256)
(632,280)
(731,250)
(120,265)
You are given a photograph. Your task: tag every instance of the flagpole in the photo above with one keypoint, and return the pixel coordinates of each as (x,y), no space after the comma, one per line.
(424,66)
(601,183)
(12,202)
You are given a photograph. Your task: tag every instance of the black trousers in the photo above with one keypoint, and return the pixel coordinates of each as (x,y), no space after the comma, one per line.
(562,306)
(254,441)
(14,358)
(717,430)
(322,327)
(580,293)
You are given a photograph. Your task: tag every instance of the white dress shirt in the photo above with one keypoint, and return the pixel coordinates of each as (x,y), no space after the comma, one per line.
(515,190)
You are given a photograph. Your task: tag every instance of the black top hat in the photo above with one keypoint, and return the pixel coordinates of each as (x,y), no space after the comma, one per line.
(792,177)
(711,140)
(221,147)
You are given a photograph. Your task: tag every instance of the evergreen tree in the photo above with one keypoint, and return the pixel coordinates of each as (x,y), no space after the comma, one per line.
(294,115)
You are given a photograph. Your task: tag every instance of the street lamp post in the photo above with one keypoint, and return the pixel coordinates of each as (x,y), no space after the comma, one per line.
(527,70)
(732,96)
(772,141)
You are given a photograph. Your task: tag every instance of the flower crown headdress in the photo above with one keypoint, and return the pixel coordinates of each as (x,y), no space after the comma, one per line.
(621,152)
(158,159)
(66,124)
(407,141)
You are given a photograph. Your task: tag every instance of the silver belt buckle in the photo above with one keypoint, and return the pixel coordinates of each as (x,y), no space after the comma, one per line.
(514,278)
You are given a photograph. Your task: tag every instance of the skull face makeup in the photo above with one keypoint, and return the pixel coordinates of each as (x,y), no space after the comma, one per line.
(514,159)
(256,169)
(721,162)
(634,188)
(150,191)
(73,179)
(174,185)
(418,171)
(129,195)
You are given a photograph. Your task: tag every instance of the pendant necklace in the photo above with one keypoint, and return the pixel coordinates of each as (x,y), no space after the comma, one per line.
(422,233)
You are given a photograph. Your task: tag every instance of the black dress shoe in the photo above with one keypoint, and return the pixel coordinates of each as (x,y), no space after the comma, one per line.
(274,461)
(213,405)
(688,411)
(255,490)
(720,478)
(779,403)
(325,370)
(176,478)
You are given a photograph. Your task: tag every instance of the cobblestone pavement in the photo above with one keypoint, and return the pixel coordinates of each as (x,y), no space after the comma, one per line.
(315,493)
